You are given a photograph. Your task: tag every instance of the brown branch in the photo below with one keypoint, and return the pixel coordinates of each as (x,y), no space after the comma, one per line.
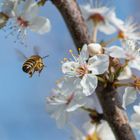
(74,21)
(113,112)
(108,96)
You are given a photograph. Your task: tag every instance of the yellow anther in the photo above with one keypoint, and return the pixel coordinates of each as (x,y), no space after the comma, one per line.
(79,49)
(65,59)
(70,51)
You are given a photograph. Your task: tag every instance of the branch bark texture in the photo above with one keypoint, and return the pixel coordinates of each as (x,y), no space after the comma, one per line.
(108,96)
(74,21)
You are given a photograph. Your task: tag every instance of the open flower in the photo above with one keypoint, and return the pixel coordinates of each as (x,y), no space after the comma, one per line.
(84,70)
(127,29)
(7,11)
(99,17)
(129,96)
(131,53)
(62,103)
(135,119)
(28,18)
(94,132)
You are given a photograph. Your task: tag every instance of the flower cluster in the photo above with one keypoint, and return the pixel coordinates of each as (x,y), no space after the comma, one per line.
(100,62)
(24,16)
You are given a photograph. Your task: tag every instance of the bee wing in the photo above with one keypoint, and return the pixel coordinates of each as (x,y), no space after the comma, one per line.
(20,55)
(36,50)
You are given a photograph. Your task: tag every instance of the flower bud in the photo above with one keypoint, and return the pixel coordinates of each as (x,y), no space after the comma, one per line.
(94,49)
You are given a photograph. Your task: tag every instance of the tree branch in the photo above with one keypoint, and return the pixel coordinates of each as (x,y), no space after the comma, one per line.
(113,112)
(108,96)
(74,21)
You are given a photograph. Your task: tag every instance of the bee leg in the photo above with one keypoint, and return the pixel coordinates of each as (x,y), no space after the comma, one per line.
(31,73)
(40,71)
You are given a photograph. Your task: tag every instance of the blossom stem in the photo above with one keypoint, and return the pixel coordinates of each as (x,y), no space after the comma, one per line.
(101,79)
(94,35)
(89,110)
(41,2)
(104,44)
(117,84)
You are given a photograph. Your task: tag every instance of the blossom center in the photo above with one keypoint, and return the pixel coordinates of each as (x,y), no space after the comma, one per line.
(22,22)
(121,35)
(92,137)
(69,99)
(96,18)
(82,70)
(137,83)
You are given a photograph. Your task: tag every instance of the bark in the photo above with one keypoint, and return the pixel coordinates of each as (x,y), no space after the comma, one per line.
(114,113)
(74,21)
(108,96)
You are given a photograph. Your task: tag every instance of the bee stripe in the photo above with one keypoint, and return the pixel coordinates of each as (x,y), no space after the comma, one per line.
(28,65)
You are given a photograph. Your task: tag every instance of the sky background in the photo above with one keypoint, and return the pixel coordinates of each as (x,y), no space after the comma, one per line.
(23,113)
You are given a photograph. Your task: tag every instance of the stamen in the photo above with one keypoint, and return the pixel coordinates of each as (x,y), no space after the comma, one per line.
(74,57)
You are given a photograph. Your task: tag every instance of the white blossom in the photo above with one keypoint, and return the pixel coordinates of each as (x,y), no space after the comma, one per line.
(27,18)
(127,29)
(8,7)
(100,131)
(135,118)
(83,70)
(129,96)
(125,74)
(130,52)
(62,103)
(99,16)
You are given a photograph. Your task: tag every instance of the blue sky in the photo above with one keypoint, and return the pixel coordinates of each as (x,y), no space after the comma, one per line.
(22,99)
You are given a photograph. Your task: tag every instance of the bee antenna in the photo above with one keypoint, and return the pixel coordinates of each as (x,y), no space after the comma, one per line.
(45,56)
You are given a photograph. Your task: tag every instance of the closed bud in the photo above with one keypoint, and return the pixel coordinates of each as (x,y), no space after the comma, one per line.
(94,49)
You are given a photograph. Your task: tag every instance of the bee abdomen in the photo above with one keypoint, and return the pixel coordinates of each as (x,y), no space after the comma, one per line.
(28,65)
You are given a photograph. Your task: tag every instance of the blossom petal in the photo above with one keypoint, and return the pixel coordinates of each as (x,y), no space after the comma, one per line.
(125,74)
(69,68)
(89,84)
(98,64)
(137,109)
(104,131)
(107,28)
(129,96)
(31,10)
(40,25)
(115,51)
(135,64)
(84,54)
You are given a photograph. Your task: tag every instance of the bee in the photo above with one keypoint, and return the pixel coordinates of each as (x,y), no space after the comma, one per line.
(32,64)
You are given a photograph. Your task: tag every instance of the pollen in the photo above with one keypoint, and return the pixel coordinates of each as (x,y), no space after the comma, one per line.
(71,51)
(79,49)
(137,83)
(82,70)
(65,59)
(121,35)
(92,137)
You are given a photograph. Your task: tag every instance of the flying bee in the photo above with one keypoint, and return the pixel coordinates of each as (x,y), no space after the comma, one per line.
(32,64)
